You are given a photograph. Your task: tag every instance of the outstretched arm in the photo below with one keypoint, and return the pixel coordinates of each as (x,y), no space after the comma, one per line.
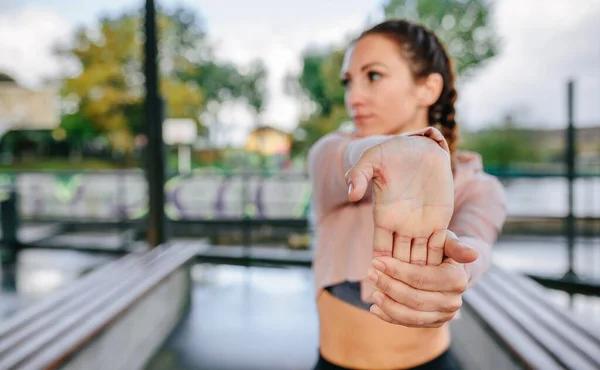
(478,221)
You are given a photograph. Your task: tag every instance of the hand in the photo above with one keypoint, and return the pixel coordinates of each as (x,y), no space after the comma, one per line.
(421,296)
(413,197)
(417,296)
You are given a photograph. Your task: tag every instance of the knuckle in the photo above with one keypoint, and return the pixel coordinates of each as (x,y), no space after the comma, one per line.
(384,283)
(415,301)
(419,241)
(453,304)
(436,247)
(460,285)
(417,280)
(419,320)
(392,269)
(402,239)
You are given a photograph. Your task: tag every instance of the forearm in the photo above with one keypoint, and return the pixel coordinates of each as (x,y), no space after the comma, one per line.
(478,223)
(476,269)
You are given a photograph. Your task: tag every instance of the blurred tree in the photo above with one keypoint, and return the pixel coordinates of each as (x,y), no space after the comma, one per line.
(6,78)
(78,129)
(108,91)
(502,146)
(319,86)
(463,25)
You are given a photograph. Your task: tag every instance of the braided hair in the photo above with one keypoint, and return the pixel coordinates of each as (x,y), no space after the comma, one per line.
(426,55)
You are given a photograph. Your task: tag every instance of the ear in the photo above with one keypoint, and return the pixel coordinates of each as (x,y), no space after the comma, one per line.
(431,89)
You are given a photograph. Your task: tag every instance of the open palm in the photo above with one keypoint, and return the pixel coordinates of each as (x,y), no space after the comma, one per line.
(413,197)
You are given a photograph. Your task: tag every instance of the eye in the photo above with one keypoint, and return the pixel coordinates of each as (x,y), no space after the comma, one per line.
(345,82)
(374,76)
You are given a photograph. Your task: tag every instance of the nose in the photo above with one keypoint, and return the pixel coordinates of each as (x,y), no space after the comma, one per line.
(355,97)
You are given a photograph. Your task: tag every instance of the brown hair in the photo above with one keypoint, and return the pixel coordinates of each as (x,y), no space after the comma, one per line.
(427,55)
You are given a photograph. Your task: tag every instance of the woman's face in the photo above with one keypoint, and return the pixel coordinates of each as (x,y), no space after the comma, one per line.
(381,95)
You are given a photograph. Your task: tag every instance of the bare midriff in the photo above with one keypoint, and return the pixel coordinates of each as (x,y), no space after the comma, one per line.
(356,339)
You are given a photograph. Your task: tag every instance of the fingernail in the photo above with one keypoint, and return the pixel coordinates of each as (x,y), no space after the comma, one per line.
(350,189)
(378,264)
(378,298)
(373,275)
(375,310)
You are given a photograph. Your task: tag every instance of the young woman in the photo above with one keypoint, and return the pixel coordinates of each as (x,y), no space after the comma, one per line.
(404,223)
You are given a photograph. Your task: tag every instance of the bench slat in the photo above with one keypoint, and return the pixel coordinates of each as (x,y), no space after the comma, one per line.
(31,329)
(566,355)
(38,310)
(533,291)
(55,354)
(547,315)
(522,347)
(77,318)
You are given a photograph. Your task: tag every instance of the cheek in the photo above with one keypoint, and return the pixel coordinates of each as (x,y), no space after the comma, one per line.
(397,105)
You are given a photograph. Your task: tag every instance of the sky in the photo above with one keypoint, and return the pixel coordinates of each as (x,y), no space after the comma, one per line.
(544,44)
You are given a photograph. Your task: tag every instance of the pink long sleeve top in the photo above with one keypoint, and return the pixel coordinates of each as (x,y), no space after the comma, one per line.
(344,229)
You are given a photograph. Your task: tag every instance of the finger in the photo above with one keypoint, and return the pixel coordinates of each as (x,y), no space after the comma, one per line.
(457,250)
(401,249)
(377,312)
(383,316)
(448,277)
(407,316)
(418,251)
(383,242)
(435,247)
(420,300)
(359,176)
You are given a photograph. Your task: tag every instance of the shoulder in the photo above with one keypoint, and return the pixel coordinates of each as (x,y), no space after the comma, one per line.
(470,174)
(327,147)
(331,139)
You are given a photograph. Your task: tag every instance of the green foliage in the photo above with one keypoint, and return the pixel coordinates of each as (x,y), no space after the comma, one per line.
(6,78)
(462,25)
(108,91)
(502,146)
(78,128)
(319,82)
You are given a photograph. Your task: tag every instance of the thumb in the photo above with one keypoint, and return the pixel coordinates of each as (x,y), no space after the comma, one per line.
(358,177)
(457,250)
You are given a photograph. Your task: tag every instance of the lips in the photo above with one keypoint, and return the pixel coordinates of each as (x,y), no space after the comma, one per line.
(361,117)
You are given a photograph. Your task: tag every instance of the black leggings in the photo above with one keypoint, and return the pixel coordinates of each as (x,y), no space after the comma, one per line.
(445,361)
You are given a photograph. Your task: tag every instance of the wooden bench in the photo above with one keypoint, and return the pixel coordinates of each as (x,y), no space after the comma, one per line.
(115,317)
(508,322)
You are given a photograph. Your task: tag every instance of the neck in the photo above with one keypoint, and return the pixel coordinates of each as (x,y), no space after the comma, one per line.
(413,126)
(420,121)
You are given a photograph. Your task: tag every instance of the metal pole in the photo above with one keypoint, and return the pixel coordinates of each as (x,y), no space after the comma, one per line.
(155,158)
(570,159)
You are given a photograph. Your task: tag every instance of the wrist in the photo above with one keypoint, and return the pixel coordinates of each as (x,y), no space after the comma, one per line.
(356,148)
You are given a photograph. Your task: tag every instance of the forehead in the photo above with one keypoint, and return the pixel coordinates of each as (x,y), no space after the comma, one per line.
(371,49)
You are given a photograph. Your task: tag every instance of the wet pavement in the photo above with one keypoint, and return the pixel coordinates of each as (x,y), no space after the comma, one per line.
(245,318)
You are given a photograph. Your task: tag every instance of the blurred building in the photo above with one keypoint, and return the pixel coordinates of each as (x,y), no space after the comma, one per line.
(27,109)
(29,119)
(269,141)
(272,145)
